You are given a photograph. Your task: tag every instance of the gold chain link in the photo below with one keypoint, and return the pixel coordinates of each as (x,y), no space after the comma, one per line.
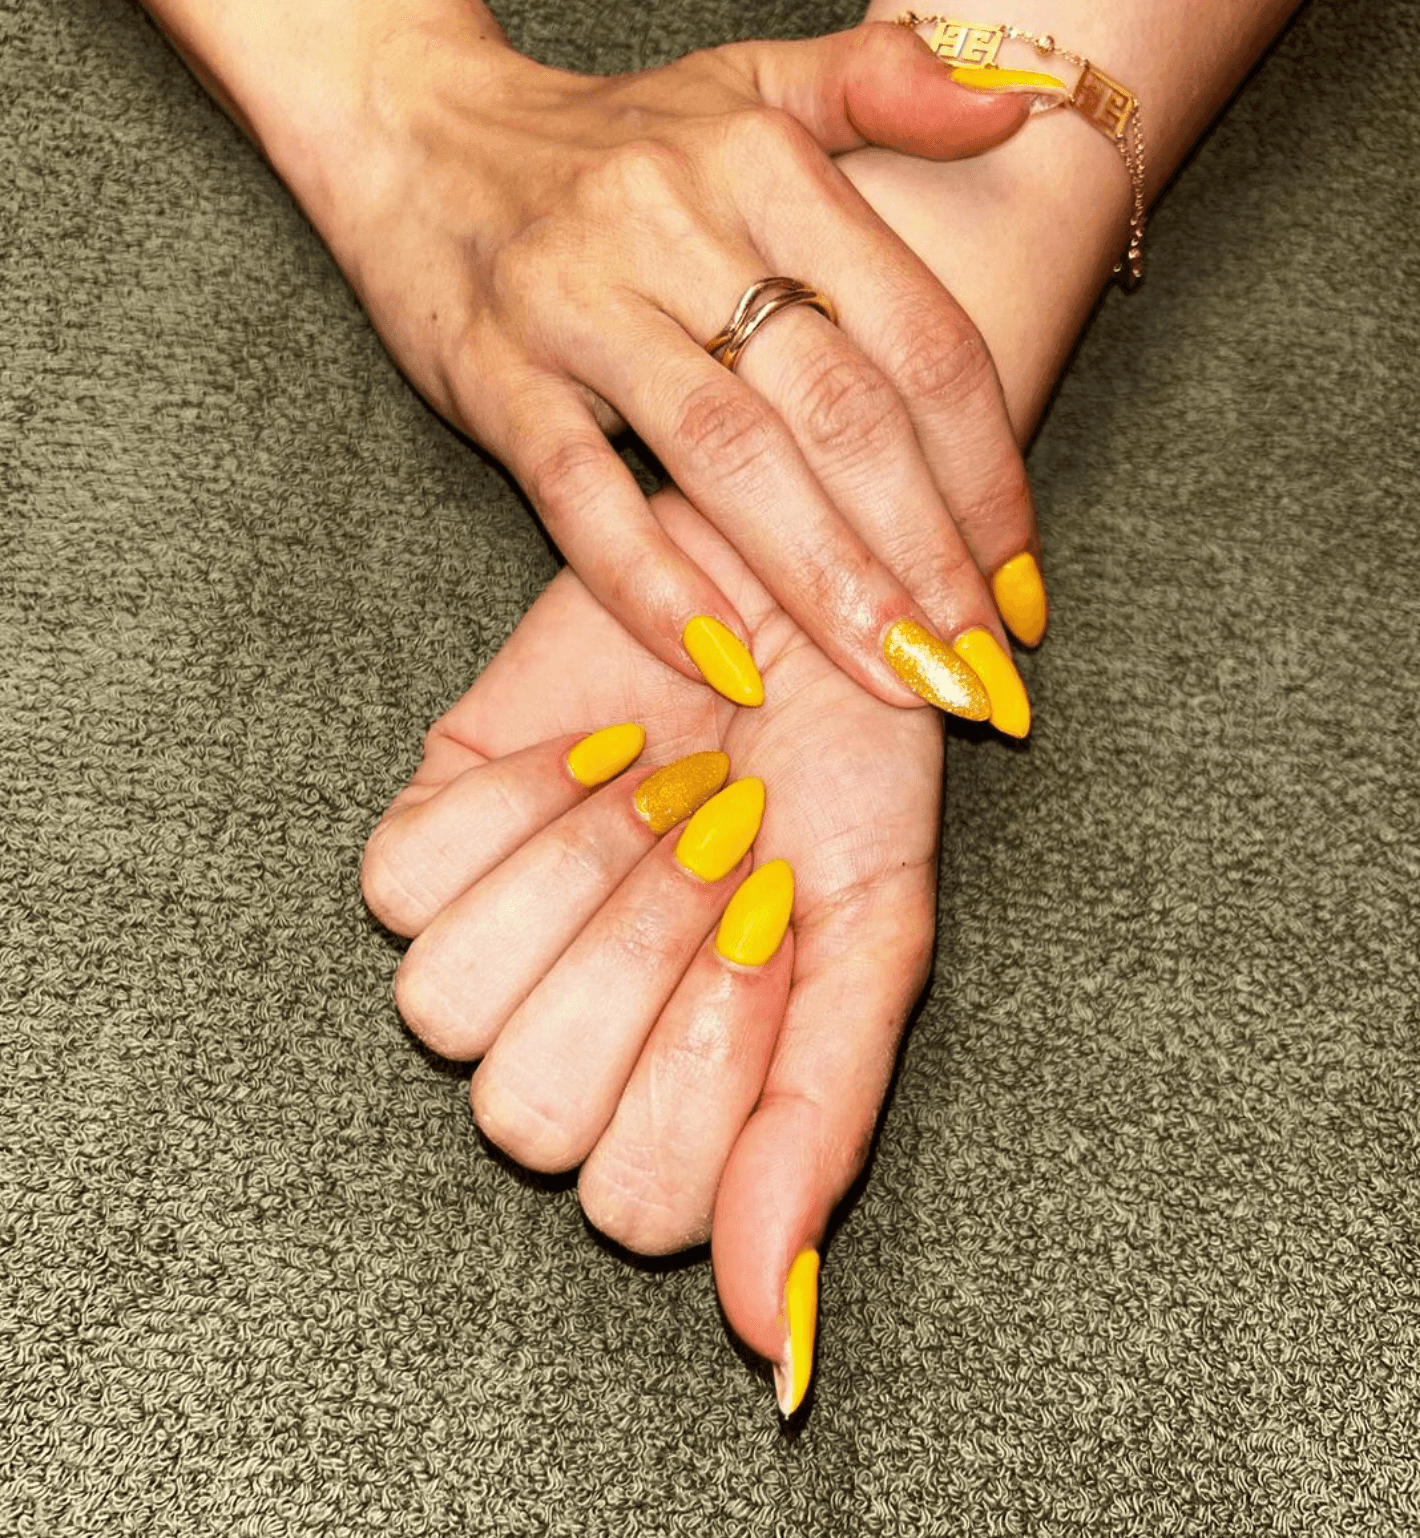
(1103,102)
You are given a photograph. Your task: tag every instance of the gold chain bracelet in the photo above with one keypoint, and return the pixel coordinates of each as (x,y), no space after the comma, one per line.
(1103,102)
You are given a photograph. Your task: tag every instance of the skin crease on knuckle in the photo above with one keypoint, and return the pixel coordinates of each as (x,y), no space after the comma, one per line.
(567,481)
(402,904)
(847,408)
(944,363)
(727,433)
(629,1194)
(524,1132)
(428,1011)
(774,139)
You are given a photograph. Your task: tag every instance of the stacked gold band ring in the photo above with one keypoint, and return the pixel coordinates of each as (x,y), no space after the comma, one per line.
(758,302)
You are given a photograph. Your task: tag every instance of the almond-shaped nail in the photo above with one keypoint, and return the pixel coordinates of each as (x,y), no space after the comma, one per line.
(719,836)
(752,927)
(1020,598)
(793,1371)
(931,669)
(1026,81)
(671,794)
(988,659)
(604,754)
(724,660)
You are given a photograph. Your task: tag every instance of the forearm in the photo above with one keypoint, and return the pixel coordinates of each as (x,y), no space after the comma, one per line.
(1026,235)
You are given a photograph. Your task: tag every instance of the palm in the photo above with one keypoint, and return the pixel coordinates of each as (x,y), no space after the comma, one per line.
(853,797)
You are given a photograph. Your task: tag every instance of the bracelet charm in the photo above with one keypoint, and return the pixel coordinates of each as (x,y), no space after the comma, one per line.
(1102,101)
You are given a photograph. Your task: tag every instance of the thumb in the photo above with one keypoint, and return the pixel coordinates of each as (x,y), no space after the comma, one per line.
(808,1138)
(877,84)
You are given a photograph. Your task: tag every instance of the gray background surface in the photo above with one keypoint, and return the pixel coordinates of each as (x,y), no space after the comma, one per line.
(1138,1251)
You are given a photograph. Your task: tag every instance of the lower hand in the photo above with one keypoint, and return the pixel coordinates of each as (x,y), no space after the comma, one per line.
(708,1100)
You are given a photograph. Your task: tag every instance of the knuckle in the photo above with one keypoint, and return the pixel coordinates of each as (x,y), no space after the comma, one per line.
(580,861)
(945,363)
(385,886)
(847,405)
(774,135)
(638,174)
(937,564)
(1002,503)
(726,431)
(564,481)
(536,1138)
(636,938)
(426,1007)
(628,1195)
(833,588)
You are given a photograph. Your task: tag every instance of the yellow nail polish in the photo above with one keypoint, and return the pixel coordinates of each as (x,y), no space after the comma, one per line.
(791,1376)
(1010,704)
(930,668)
(606,753)
(718,837)
(723,660)
(1020,597)
(671,794)
(754,921)
(989,79)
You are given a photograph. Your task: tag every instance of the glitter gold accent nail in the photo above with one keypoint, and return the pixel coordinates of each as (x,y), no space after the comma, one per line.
(988,659)
(671,794)
(604,754)
(724,660)
(753,925)
(931,669)
(719,836)
(1020,598)
(792,1374)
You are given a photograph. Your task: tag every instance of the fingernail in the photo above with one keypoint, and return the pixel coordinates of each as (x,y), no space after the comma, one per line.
(792,1374)
(1010,704)
(666,797)
(723,660)
(1022,80)
(718,837)
(606,753)
(931,669)
(1020,596)
(755,919)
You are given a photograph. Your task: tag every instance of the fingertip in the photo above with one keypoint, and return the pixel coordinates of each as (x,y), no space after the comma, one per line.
(756,918)
(723,660)
(1019,591)
(900,95)
(605,753)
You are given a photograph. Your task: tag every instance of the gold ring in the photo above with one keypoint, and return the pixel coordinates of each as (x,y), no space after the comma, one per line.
(758,302)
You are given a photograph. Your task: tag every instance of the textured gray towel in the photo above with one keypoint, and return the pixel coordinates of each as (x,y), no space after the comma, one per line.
(1138,1249)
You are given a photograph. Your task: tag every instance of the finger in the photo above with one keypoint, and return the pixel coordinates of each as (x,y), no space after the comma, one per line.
(650,1181)
(550,1083)
(858,971)
(599,519)
(896,315)
(861,443)
(877,84)
(737,461)
(485,951)
(432,848)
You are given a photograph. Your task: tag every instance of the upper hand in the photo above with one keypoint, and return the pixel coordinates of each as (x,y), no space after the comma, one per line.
(545,254)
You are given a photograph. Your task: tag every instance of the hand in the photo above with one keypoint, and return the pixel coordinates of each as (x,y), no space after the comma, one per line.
(545,255)
(749,1093)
